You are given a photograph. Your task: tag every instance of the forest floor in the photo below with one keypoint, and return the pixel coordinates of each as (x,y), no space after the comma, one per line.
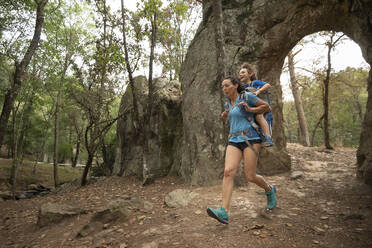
(326,207)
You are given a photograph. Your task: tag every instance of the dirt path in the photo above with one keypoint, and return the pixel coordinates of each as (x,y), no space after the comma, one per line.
(326,207)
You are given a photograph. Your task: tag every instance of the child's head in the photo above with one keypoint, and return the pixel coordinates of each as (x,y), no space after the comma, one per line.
(247,73)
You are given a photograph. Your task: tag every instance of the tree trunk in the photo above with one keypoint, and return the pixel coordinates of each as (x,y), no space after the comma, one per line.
(56,138)
(86,169)
(326,99)
(304,133)
(19,144)
(20,68)
(56,120)
(315,128)
(119,165)
(147,177)
(76,157)
(331,44)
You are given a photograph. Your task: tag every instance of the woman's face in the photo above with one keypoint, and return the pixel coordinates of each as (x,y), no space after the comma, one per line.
(228,87)
(244,75)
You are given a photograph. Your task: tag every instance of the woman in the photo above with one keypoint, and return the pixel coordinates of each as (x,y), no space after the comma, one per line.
(243,142)
(248,77)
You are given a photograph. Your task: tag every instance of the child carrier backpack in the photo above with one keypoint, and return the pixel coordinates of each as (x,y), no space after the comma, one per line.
(254,125)
(265,96)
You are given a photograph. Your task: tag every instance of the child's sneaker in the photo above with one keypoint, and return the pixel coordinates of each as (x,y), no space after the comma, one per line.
(219,214)
(271,197)
(267,141)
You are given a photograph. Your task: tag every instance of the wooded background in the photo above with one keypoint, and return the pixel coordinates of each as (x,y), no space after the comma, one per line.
(64,65)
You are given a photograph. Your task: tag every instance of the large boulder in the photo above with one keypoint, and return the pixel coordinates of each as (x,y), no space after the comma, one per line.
(117,211)
(166,130)
(52,213)
(257,34)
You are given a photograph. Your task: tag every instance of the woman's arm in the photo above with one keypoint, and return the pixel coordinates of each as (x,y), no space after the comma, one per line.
(260,107)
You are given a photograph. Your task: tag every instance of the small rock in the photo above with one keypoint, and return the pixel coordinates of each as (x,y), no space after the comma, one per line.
(123,245)
(324,217)
(198,212)
(316,242)
(318,229)
(153,244)
(179,198)
(141,217)
(148,206)
(354,217)
(296,174)
(265,214)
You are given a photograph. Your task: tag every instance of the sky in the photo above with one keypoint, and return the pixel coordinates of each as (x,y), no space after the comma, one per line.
(346,54)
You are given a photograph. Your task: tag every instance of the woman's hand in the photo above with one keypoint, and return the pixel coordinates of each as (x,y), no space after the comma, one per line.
(224,115)
(245,105)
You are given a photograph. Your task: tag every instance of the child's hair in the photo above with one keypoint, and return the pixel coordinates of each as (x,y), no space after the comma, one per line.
(249,69)
(235,81)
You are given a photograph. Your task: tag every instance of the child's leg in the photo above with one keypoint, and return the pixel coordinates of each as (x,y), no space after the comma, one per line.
(263,124)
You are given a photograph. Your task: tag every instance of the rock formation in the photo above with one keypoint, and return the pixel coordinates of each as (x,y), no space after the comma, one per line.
(166,127)
(261,32)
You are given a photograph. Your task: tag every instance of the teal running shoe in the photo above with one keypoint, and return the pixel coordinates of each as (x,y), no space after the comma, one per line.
(219,214)
(271,198)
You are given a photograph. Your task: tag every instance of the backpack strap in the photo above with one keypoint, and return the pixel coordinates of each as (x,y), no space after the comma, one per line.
(251,120)
(242,134)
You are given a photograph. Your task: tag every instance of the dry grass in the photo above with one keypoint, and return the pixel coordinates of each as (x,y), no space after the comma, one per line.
(43,173)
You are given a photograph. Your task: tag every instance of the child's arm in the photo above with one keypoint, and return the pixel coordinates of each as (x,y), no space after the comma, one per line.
(264,88)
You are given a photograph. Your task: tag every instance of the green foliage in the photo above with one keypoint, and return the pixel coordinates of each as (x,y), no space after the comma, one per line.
(347,107)
(64,151)
(84,61)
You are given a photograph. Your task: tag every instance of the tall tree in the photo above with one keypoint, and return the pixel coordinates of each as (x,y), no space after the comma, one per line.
(304,133)
(20,130)
(131,52)
(95,90)
(150,12)
(181,20)
(20,68)
(334,38)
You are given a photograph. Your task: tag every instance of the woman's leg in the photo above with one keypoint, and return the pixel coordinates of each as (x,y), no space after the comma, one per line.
(232,160)
(263,124)
(250,166)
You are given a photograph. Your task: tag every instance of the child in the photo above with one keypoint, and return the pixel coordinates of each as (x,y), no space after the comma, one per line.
(248,78)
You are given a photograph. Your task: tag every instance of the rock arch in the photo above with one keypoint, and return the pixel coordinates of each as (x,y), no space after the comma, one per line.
(261,32)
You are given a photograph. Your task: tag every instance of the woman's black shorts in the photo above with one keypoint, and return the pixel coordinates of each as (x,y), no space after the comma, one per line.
(243,145)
